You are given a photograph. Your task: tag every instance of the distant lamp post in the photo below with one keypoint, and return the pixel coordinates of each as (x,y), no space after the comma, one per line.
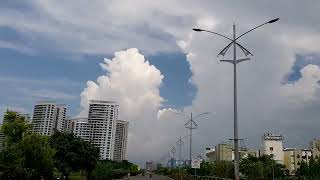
(191,125)
(235,61)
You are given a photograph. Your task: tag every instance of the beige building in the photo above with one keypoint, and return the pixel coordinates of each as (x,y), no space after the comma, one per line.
(293,158)
(315,148)
(223,152)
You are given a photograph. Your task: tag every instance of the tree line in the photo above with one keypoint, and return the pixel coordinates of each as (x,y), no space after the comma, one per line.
(27,155)
(251,168)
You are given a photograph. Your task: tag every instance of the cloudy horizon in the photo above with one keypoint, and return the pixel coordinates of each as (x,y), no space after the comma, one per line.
(144,55)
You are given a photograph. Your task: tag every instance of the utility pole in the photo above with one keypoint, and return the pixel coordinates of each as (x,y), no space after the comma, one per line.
(180,143)
(173,150)
(191,125)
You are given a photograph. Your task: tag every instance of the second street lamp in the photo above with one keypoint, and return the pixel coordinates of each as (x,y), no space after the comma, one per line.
(235,61)
(191,125)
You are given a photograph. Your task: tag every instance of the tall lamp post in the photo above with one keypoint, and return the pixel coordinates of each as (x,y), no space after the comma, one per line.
(235,61)
(191,125)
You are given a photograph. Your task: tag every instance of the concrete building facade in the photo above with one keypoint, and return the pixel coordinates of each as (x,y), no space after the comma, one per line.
(272,145)
(223,152)
(60,117)
(315,147)
(210,155)
(44,118)
(81,128)
(2,139)
(293,158)
(48,117)
(102,119)
(120,143)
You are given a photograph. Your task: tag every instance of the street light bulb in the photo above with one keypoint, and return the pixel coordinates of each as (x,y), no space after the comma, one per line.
(273,20)
(198,30)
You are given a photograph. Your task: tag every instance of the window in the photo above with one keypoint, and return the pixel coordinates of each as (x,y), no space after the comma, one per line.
(271,149)
(298,156)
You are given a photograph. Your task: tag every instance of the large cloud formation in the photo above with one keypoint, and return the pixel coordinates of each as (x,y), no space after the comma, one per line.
(134,84)
(267,101)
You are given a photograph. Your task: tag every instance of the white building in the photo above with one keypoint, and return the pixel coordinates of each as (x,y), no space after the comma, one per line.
(67,125)
(102,119)
(47,117)
(2,139)
(60,117)
(43,118)
(27,117)
(81,128)
(272,145)
(120,143)
(210,154)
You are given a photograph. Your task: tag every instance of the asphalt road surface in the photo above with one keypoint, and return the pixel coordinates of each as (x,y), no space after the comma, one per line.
(154,177)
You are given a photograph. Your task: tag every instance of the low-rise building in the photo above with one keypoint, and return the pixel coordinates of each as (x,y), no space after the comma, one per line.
(315,147)
(210,155)
(151,166)
(293,158)
(223,152)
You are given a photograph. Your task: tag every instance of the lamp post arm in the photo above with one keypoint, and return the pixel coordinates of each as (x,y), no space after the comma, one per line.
(218,34)
(200,115)
(251,30)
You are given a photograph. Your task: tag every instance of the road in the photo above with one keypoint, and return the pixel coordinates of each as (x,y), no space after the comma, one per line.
(154,177)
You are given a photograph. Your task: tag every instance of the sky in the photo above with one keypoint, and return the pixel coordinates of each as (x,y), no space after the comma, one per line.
(144,55)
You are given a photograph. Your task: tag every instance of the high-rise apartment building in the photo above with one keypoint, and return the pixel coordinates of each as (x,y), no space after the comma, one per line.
(102,118)
(81,128)
(60,118)
(120,143)
(2,139)
(26,116)
(47,117)
(67,125)
(44,115)
(272,145)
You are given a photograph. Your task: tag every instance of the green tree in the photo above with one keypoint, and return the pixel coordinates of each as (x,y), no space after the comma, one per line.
(261,167)
(37,155)
(107,169)
(73,154)
(223,169)
(89,156)
(25,155)
(309,170)
(14,127)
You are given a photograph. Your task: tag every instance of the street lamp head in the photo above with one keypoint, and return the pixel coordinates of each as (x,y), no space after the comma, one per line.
(196,29)
(273,20)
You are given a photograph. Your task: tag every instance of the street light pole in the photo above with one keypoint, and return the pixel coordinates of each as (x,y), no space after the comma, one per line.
(191,124)
(191,128)
(235,132)
(180,143)
(235,61)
